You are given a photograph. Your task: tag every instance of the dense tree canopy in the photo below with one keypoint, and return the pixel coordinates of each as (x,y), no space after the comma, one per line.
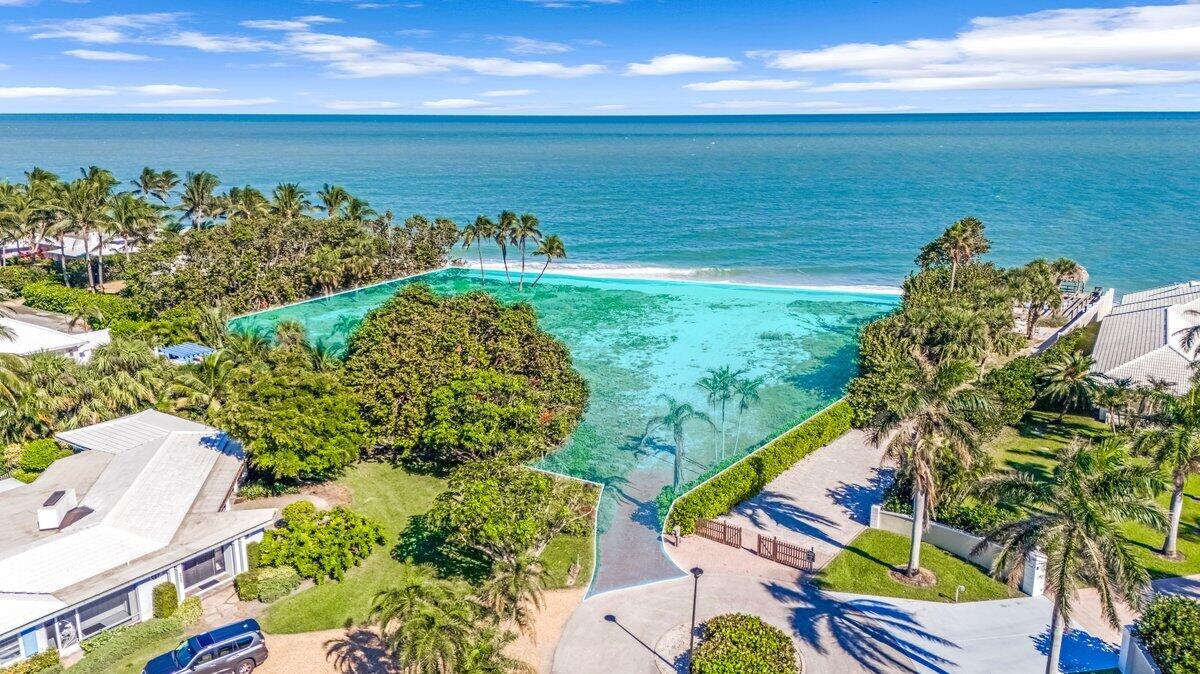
(456,378)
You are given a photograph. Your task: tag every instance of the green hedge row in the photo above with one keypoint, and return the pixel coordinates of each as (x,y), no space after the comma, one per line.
(34,664)
(15,277)
(266,584)
(110,645)
(166,600)
(101,309)
(739,643)
(748,477)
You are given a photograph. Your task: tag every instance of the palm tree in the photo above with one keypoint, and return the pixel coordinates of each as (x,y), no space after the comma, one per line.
(428,624)
(719,386)
(1114,398)
(325,268)
(1174,446)
(958,245)
(527,229)
(202,389)
(1034,286)
(475,234)
(1070,380)
(333,198)
(676,418)
(552,248)
(146,183)
(199,201)
(289,201)
(516,584)
(168,180)
(486,654)
(503,234)
(924,423)
(245,202)
(85,209)
(746,390)
(134,219)
(247,347)
(1075,520)
(359,210)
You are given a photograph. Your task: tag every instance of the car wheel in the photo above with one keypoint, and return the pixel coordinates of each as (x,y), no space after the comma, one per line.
(245,667)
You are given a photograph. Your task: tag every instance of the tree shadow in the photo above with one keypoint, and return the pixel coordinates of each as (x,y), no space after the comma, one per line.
(421,543)
(879,636)
(772,507)
(1179,585)
(857,499)
(1081,652)
(360,652)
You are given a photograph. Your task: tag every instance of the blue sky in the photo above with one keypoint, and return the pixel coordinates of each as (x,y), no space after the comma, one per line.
(596,56)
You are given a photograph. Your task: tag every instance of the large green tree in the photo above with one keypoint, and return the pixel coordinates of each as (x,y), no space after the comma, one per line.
(958,245)
(1174,446)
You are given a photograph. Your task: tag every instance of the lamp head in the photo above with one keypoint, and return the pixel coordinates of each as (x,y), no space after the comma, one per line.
(697,572)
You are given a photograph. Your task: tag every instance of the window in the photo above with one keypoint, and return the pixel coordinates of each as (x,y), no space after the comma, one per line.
(203,567)
(224,650)
(106,613)
(243,644)
(10,650)
(204,657)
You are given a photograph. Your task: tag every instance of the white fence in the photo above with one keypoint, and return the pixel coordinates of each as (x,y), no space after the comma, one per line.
(962,545)
(1134,658)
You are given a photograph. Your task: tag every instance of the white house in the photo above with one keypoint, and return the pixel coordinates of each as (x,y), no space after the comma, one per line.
(144,501)
(76,247)
(24,339)
(1143,336)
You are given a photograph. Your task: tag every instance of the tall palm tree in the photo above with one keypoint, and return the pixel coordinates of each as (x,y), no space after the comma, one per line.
(746,390)
(201,389)
(1034,286)
(517,583)
(333,198)
(289,201)
(133,219)
(958,245)
(326,269)
(1075,520)
(1070,380)
(146,184)
(475,234)
(168,181)
(359,210)
(486,654)
(1174,446)
(925,422)
(199,200)
(718,385)
(505,226)
(677,417)
(552,248)
(245,202)
(85,209)
(528,229)
(1113,398)
(427,624)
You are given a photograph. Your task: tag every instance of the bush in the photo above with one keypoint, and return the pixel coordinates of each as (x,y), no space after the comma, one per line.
(276,583)
(1012,392)
(255,488)
(107,648)
(39,454)
(101,309)
(737,643)
(1170,630)
(166,600)
(253,555)
(324,545)
(299,511)
(246,585)
(33,664)
(746,478)
(189,612)
(15,277)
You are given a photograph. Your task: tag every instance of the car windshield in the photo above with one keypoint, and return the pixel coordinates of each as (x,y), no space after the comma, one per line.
(184,653)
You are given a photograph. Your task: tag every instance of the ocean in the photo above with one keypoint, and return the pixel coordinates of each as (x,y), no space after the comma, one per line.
(795,200)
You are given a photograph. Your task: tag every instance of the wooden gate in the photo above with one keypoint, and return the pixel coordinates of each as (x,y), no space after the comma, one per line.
(720,532)
(787,554)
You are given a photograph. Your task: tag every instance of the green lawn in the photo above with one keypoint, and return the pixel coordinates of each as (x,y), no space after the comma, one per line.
(863,566)
(392,496)
(1031,447)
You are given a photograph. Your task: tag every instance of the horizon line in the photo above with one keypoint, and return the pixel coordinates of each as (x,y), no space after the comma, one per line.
(597,115)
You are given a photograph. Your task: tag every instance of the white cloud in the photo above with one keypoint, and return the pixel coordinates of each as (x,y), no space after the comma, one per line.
(170,90)
(610,106)
(747,85)
(1084,47)
(275,24)
(102,55)
(454,104)
(213,43)
(111,29)
(675,64)
(568,4)
(16,3)
(497,93)
(1106,92)
(518,44)
(362,105)
(810,106)
(51,92)
(206,103)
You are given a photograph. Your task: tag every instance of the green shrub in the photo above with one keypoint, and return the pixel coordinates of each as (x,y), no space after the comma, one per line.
(323,545)
(246,585)
(747,477)
(166,600)
(15,277)
(107,648)
(189,612)
(265,488)
(33,664)
(1170,630)
(738,643)
(276,583)
(299,511)
(39,454)
(100,308)
(1012,392)
(253,555)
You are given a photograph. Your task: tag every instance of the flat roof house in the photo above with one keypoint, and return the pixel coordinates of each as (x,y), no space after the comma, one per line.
(25,339)
(1143,336)
(144,501)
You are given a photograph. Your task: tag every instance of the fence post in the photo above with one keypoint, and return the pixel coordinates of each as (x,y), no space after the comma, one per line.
(875,516)
(1033,580)
(676,535)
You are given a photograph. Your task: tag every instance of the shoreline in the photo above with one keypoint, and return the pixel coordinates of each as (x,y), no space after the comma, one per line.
(679,274)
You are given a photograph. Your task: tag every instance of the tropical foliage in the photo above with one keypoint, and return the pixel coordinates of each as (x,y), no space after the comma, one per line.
(320,545)
(739,642)
(1170,629)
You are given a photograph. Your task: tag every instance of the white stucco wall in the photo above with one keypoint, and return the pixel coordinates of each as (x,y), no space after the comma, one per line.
(1134,658)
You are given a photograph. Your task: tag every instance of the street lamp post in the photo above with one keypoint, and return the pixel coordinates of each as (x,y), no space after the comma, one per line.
(696,573)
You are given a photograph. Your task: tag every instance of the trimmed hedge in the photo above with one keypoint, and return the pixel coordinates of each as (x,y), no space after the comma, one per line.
(15,277)
(33,664)
(49,296)
(739,643)
(266,584)
(253,555)
(189,612)
(37,456)
(110,646)
(748,477)
(1170,630)
(166,600)
(246,585)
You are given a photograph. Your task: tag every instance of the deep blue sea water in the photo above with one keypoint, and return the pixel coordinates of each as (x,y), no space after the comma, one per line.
(804,200)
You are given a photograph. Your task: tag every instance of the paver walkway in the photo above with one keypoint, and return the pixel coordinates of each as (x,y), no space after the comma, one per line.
(822,502)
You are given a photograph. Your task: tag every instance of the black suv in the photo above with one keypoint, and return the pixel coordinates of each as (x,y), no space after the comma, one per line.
(232,649)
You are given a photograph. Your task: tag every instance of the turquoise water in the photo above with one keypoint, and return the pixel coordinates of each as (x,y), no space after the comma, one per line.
(635,341)
(802,200)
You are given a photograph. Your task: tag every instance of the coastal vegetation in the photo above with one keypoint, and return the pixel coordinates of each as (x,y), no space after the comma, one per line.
(739,642)
(1170,629)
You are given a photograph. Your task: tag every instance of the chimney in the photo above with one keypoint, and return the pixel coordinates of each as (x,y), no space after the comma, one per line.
(52,512)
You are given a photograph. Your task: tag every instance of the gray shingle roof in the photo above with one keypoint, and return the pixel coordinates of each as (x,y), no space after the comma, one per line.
(1140,339)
